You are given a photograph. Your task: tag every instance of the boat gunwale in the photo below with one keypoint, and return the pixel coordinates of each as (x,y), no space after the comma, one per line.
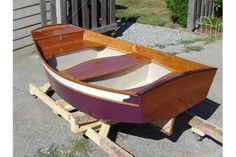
(165,79)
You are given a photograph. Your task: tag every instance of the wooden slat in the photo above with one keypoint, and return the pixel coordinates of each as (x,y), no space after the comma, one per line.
(34,90)
(203,125)
(210,8)
(198,9)
(107,145)
(63,11)
(105,28)
(103,12)
(53,11)
(94,13)
(206,7)
(112,11)
(191,14)
(165,126)
(85,14)
(43,12)
(74,15)
(104,67)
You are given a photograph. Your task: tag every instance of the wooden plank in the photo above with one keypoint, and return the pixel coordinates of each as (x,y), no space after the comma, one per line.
(46,87)
(165,126)
(64,104)
(107,145)
(94,13)
(198,9)
(43,12)
(104,67)
(103,12)
(74,15)
(196,131)
(85,14)
(34,90)
(112,11)
(202,125)
(81,118)
(53,11)
(206,7)
(81,128)
(104,130)
(191,15)
(202,8)
(63,11)
(106,28)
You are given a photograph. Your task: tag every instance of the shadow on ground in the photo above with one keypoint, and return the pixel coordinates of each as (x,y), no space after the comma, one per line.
(123,25)
(204,109)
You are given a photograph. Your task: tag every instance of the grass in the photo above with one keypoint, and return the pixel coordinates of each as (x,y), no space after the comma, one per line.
(206,40)
(153,12)
(194,48)
(72,151)
(174,53)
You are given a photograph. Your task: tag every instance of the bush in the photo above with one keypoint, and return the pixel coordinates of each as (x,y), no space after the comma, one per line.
(179,11)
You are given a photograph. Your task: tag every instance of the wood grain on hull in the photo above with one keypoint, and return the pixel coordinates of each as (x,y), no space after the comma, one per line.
(176,96)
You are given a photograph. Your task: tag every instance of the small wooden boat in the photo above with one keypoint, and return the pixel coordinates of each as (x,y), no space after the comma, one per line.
(116,80)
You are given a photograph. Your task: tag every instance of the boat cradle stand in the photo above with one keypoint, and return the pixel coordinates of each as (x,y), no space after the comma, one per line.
(81,122)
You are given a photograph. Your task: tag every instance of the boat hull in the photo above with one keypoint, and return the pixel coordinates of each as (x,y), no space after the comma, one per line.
(116,80)
(97,107)
(162,102)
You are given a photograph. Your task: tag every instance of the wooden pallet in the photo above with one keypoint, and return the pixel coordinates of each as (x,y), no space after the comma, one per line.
(81,122)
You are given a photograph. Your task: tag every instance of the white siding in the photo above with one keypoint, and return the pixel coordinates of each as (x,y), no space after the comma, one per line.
(26,16)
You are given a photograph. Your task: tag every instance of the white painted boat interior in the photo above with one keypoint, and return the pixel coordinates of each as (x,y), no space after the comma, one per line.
(133,78)
(77,57)
(128,79)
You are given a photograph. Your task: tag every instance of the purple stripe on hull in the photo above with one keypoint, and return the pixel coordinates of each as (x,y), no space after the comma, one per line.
(99,108)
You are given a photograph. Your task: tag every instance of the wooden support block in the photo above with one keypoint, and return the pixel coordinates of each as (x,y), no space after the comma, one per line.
(81,128)
(81,118)
(46,87)
(202,125)
(34,90)
(165,126)
(106,144)
(104,130)
(65,105)
(199,132)
(79,121)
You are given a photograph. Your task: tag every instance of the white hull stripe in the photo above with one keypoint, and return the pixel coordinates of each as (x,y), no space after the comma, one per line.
(86,89)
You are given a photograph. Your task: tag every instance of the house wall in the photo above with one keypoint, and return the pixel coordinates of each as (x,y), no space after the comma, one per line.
(26,16)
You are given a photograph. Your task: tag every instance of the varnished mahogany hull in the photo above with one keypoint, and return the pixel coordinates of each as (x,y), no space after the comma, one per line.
(184,86)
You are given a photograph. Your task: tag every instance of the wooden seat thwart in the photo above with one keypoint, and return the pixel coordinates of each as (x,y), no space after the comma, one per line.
(103,66)
(68,47)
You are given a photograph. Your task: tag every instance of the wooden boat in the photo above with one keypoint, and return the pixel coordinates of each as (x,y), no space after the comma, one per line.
(116,80)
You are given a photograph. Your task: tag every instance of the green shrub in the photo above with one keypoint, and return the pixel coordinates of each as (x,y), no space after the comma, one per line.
(179,11)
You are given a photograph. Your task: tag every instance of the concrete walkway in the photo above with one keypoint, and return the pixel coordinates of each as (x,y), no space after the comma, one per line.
(36,127)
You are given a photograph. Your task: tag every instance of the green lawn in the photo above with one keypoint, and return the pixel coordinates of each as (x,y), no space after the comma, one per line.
(153,12)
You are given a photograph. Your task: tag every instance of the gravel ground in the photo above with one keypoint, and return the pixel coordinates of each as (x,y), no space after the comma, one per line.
(36,127)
